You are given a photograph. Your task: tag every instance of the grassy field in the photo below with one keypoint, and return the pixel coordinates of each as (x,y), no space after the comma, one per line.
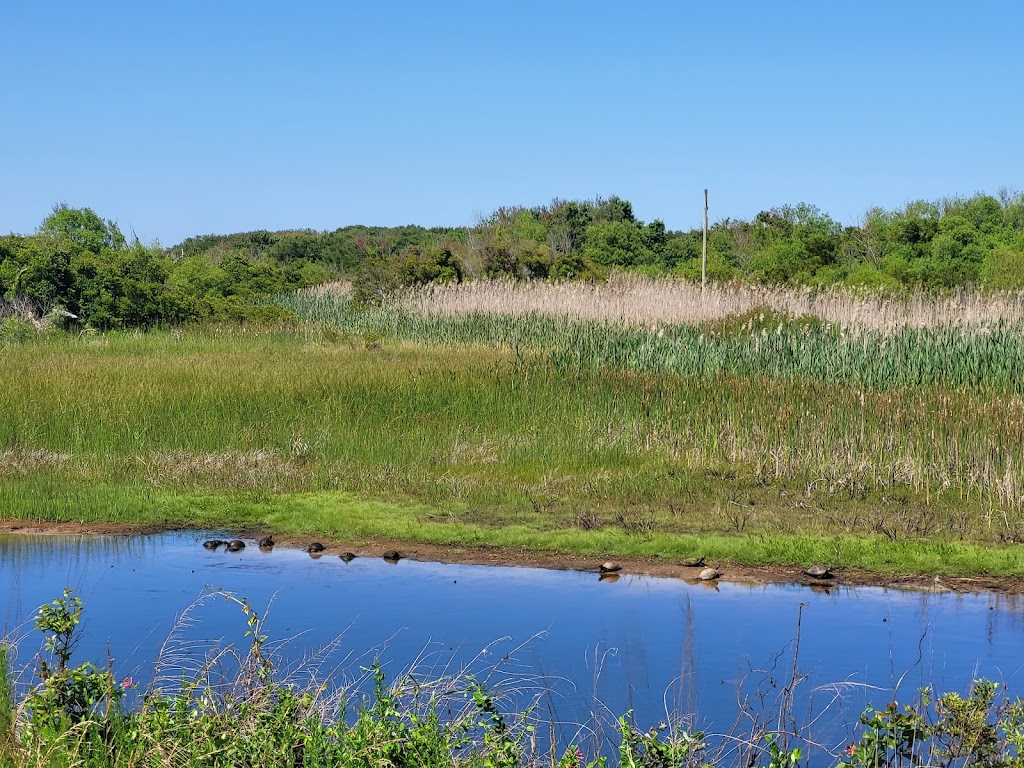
(760,438)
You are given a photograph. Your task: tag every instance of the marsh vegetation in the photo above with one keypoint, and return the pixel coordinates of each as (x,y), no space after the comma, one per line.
(884,434)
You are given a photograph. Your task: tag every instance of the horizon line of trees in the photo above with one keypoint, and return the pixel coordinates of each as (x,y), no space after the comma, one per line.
(84,265)
(949,243)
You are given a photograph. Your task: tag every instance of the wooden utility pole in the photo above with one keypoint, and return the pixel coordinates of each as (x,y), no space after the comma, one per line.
(704,250)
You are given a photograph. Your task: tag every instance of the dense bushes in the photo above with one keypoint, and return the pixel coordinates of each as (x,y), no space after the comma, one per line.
(81,264)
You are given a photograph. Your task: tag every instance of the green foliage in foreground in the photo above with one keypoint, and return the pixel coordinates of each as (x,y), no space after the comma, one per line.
(77,716)
(309,431)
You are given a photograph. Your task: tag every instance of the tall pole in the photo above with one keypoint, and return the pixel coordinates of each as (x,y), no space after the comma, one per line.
(704,250)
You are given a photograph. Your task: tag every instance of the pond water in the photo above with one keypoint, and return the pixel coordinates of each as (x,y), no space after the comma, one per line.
(651,645)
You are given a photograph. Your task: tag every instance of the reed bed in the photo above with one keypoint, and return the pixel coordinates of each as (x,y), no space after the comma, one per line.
(757,344)
(643,301)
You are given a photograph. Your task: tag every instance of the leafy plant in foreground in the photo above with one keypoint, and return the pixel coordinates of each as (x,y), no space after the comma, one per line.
(639,749)
(67,695)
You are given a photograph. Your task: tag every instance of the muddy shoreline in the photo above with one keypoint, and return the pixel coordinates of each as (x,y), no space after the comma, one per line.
(503,556)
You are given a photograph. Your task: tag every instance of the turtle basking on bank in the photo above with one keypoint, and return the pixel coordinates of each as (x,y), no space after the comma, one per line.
(693,562)
(709,574)
(392,556)
(609,567)
(819,572)
(315,548)
(266,542)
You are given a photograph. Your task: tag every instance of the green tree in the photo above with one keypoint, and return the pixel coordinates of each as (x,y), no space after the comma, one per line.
(420,266)
(784,261)
(613,209)
(82,228)
(1003,269)
(567,225)
(617,244)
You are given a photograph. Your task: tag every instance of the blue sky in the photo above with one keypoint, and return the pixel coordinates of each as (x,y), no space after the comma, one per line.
(197,117)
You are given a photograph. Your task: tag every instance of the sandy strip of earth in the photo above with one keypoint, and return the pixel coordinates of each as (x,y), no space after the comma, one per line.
(505,556)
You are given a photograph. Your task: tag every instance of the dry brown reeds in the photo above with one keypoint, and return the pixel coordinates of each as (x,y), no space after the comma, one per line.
(639,300)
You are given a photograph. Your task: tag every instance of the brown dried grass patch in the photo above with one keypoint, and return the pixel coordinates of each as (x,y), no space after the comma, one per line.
(245,470)
(20,461)
(648,301)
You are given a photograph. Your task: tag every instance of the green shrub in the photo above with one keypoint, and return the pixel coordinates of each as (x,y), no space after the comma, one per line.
(14,330)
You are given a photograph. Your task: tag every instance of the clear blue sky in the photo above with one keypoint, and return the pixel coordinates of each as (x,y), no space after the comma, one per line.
(182,118)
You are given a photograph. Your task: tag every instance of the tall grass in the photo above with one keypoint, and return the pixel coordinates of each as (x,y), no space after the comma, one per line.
(479,443)
(643,301)
(584,328)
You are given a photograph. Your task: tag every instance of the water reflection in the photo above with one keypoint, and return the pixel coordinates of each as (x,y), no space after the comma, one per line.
(602,645)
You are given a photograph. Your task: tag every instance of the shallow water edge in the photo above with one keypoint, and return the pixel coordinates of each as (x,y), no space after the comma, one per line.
(503,556)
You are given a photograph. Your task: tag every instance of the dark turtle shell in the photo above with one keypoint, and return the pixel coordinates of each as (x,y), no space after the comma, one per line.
(235,545)
(694,562)
(392,556)
(212,543)
(266,541)
(315,547)
(348,557)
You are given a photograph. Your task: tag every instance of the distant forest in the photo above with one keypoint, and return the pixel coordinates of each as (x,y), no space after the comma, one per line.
(82,265)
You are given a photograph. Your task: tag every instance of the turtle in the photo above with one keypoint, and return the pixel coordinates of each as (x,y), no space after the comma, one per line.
(818,572)
(235,545)
(266,542)
(709,574)
(348,557)
(315,547)
(693,562)
(609,567)
(392,556)
(213,543)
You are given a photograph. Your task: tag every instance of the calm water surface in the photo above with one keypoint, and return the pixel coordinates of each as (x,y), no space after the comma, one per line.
(638,643)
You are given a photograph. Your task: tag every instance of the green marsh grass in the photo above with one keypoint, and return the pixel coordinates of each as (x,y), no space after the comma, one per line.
(310,429)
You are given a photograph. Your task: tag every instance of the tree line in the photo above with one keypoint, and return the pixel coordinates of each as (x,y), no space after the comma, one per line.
(83,264)
(953,242)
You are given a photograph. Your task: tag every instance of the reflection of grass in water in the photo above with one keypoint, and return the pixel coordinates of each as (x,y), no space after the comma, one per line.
(230,428)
